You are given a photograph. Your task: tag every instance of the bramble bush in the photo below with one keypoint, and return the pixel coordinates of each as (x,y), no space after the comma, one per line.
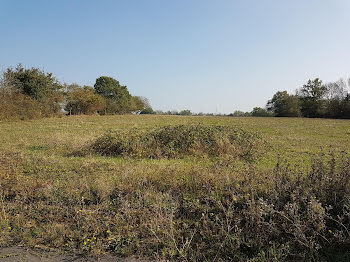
(179,141)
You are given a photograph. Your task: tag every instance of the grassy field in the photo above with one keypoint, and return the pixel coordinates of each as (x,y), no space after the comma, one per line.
(292,138)
(280,207)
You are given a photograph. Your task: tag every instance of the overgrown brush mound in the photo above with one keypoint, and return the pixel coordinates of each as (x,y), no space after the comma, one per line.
(179,141)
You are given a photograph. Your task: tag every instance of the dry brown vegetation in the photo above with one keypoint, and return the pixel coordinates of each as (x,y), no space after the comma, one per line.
(185,208)
(180,141)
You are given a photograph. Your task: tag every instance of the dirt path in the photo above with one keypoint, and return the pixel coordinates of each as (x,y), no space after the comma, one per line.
(19,254)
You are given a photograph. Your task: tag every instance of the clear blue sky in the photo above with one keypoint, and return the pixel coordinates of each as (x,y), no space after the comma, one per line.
(182,54)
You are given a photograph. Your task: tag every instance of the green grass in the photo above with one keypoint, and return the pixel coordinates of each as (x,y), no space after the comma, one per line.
(294,139)
(162,208)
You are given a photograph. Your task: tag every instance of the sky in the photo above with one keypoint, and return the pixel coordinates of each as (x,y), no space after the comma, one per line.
(213,56)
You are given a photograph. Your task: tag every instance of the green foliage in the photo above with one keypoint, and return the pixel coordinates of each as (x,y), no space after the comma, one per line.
(28,94)
(313,89)
(107,87)
(140,104)
(311,102)
(32,93)
(185,112)
(314,100)
(32,82)
(179,141)
(283,104)
(260,112)
(38,85)
(118,98)
(148,111)
(337,99)
(84,101)
(239,113)
(345,105)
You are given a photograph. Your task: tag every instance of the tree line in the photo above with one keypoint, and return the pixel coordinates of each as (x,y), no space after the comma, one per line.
(313,99)
(27,93)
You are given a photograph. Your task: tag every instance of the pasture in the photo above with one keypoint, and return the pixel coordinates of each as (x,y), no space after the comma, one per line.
(291,202)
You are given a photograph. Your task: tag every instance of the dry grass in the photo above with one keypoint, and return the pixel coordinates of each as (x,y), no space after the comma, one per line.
(193,208)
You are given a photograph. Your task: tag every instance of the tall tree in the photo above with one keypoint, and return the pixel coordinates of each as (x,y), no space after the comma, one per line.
(283,104)
(345,105)
(118,98)
(311,98)
(336,98)
(140,104)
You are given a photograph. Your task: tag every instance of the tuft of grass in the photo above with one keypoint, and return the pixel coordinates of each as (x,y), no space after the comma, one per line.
(180,141)
(37,148)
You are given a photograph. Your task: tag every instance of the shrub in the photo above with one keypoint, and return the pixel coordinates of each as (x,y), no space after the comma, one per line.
(260,112)
(15,105)
(84,101)
(41,87)
(148,111)
(179,141)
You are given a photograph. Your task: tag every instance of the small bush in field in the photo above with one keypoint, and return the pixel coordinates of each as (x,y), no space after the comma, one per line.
(179,141)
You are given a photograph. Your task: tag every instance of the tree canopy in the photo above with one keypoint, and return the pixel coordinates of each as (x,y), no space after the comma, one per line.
(27,93)
(311,95)
(118,98)
(84,100)
(38,85)
(314,99)
(32,82)
(260,112)
(284,104)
